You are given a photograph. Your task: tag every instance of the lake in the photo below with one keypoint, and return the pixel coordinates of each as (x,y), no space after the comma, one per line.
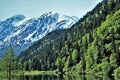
(64,77)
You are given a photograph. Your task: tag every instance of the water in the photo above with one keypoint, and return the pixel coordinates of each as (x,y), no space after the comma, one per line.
(64,77)
(43,77)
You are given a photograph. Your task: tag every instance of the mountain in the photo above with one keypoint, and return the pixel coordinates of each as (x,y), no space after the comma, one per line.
(0,22)
(21,32)
(91,46)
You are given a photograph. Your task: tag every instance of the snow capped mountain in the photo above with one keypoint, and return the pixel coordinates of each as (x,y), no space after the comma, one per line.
(21,32)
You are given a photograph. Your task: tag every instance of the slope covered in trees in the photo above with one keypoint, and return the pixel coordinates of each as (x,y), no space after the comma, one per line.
(9,66)
(90,46)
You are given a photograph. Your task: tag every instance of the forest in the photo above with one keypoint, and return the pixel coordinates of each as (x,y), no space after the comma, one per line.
(91,46)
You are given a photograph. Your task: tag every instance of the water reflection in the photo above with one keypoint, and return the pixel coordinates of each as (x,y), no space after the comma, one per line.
(64,77)
(42,77)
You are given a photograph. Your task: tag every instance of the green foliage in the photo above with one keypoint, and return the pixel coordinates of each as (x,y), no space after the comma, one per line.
(68,63)
(75,56)
(105,66)
(92,45)
(8,61)
(78,68)
(113,60)
(9,65)
(117,71)
(59,64)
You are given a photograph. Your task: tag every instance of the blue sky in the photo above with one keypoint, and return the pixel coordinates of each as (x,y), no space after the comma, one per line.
(34,8)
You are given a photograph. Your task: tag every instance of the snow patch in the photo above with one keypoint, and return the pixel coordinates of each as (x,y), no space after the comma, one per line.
(30,36)
(21,22)
(23,32)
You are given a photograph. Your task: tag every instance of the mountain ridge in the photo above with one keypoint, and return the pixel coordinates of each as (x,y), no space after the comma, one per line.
(91,46)
(21,32)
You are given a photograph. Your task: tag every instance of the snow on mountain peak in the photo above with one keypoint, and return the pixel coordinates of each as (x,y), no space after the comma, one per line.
(29,30)
(20,22)
(20,17)
(49,13)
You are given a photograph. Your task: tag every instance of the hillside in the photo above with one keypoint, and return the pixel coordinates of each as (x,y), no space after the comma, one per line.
(90,46)
(21,32)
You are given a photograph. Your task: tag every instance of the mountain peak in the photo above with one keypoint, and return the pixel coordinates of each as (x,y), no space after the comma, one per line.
(16,18)
(51,13)
(0,22)
(22,32)
(19,16)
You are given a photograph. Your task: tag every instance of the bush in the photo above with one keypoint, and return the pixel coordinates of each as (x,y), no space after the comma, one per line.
(117,71)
